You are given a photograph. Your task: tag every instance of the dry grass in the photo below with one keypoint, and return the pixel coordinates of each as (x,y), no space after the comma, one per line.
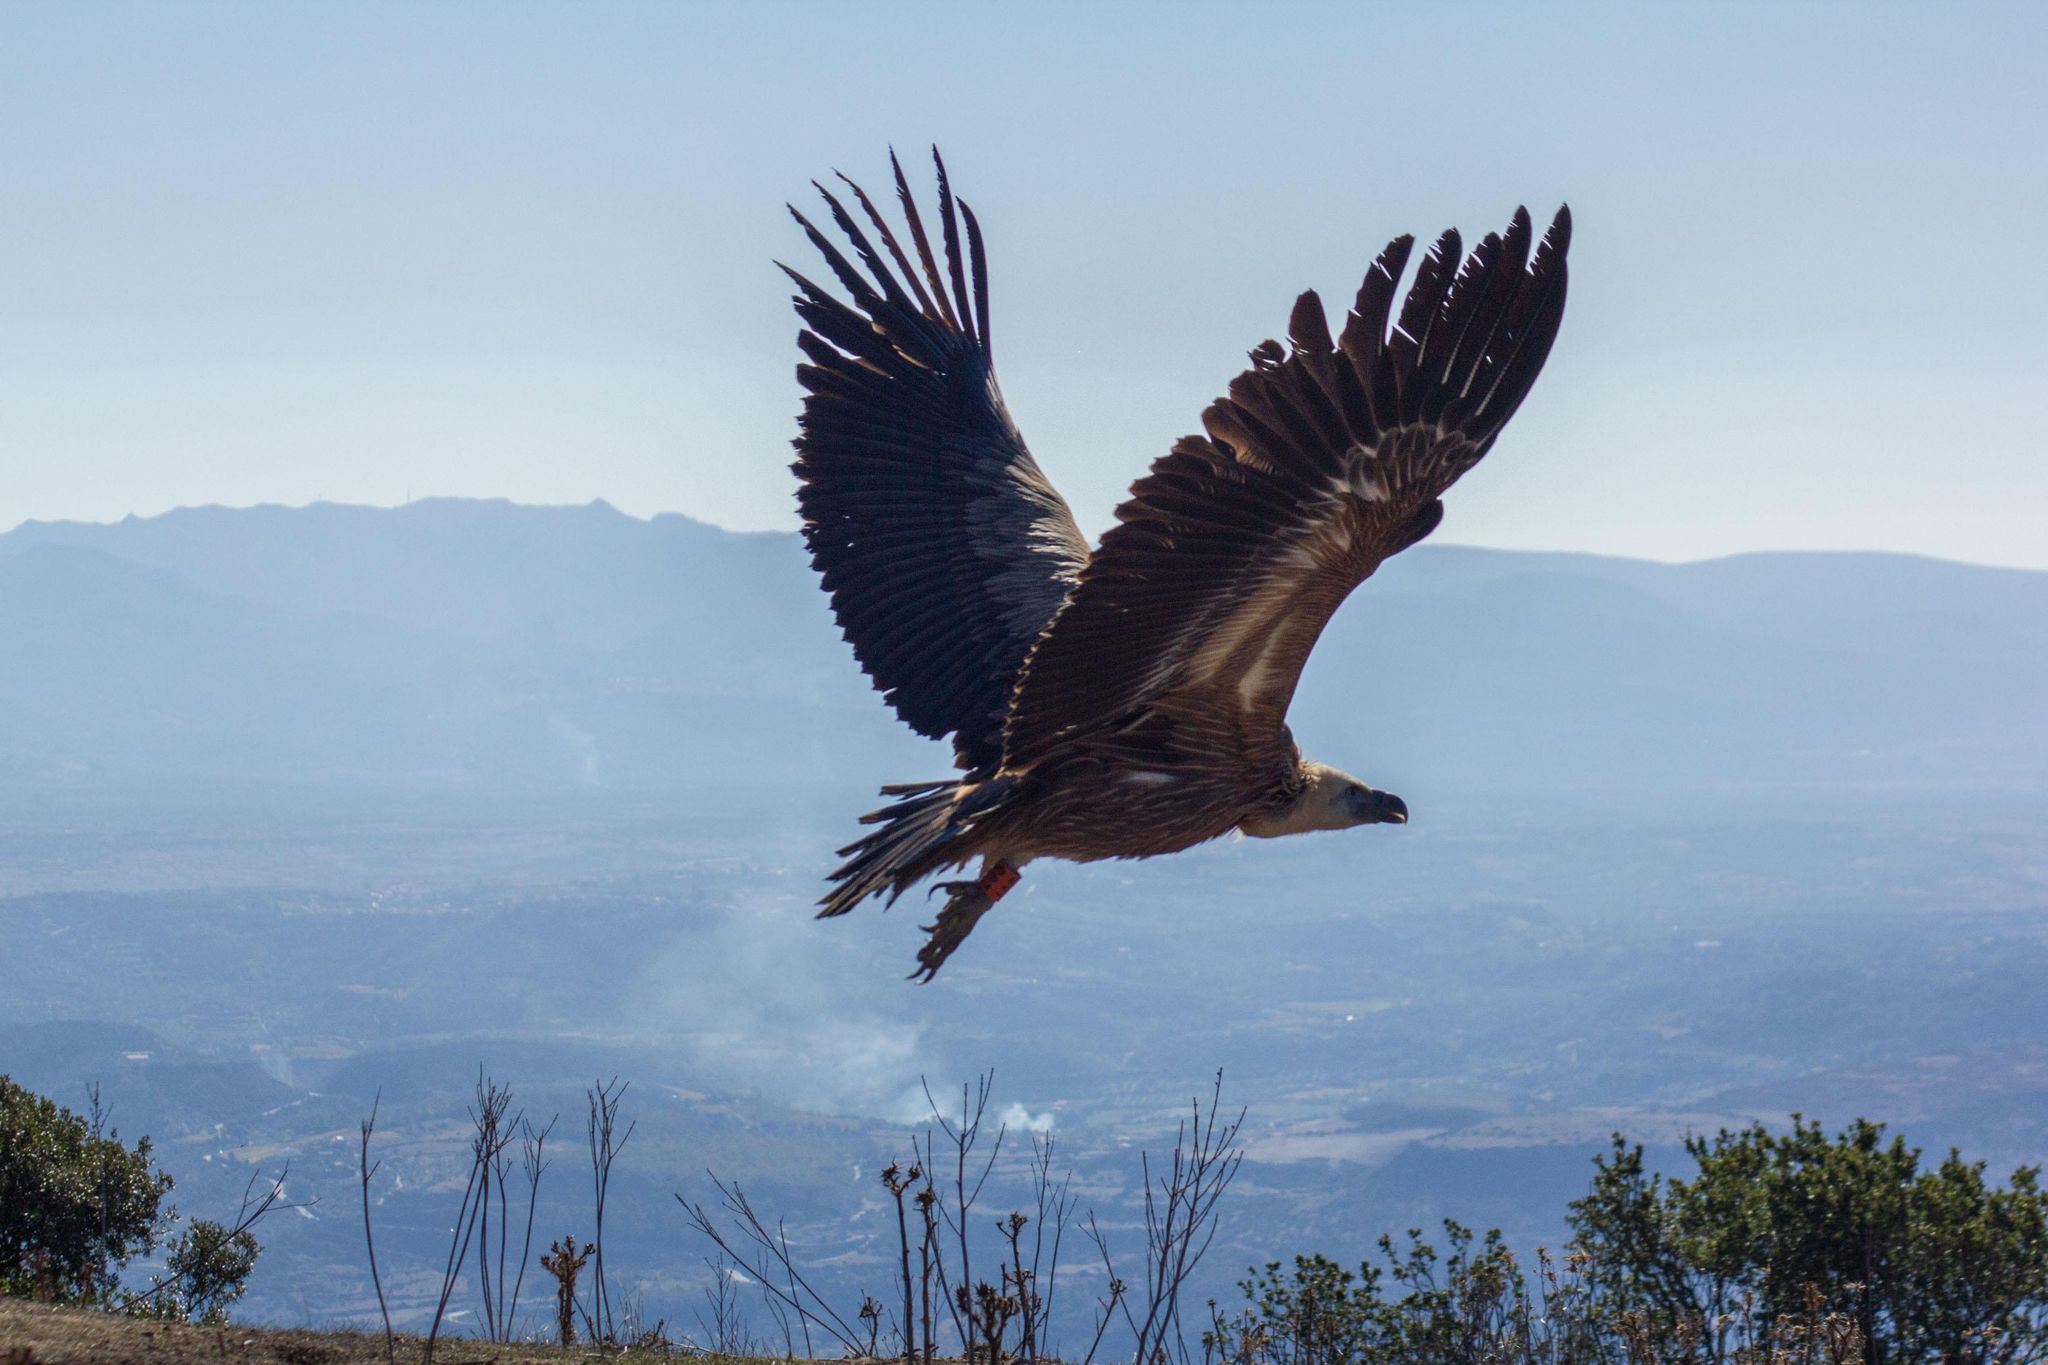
(35,1334)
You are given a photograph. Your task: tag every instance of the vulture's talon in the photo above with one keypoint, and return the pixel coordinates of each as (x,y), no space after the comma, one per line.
(963,911)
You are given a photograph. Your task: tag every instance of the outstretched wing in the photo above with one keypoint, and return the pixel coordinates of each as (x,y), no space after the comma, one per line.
(1233,552)
(944,549)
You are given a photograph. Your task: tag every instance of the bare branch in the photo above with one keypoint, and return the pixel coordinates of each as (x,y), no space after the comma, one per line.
(366,1170)
(771,1250)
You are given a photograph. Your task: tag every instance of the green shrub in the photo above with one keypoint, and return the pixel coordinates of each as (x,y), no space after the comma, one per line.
(1471,1302)
(1786,1248)
(73,1204)
(208,1270)
(1929,1264)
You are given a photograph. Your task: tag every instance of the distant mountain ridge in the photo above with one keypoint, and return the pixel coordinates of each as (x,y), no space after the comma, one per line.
(480,568)
(485,646)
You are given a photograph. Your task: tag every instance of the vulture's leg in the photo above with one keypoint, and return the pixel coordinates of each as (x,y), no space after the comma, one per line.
(966,903)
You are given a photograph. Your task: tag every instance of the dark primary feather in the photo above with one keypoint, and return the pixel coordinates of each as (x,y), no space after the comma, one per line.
(1231,554)
(943,547)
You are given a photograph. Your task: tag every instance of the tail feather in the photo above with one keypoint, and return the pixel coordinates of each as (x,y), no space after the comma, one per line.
(919,823)
(917,835)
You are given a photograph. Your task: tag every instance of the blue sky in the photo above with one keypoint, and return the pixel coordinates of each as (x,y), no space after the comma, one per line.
(370,252)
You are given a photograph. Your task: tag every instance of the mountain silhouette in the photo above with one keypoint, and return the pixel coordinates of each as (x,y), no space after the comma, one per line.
(453,645)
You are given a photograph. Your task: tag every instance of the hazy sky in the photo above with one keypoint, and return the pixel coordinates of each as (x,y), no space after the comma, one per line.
(370,252)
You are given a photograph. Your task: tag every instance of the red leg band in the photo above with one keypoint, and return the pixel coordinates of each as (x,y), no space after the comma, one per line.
(997,881)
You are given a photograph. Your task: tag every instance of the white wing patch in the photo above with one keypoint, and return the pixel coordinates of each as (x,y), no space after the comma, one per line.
(1323,541)
(1253,684)
(1257,612)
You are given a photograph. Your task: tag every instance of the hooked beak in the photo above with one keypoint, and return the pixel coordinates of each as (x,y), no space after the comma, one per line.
(1389,809)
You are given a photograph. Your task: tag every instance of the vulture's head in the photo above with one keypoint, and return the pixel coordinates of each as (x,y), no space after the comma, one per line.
(1330,799)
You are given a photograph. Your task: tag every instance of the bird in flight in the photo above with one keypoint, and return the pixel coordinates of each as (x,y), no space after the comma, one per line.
(1128,701)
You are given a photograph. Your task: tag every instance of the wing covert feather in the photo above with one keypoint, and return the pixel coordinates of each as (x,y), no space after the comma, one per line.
(1232,553)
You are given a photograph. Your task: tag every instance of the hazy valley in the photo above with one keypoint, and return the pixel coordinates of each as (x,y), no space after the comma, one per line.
(304,804)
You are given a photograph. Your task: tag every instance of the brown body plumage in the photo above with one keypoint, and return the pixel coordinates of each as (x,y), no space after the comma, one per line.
(1128,702)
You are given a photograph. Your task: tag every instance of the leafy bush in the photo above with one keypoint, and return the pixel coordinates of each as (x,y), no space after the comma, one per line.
(208,1270)
(1929,1264)
(1471,1303)
(1786,1249)
(74,1204)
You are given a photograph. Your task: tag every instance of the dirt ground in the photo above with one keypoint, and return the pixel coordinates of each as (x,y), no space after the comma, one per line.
(35,1334)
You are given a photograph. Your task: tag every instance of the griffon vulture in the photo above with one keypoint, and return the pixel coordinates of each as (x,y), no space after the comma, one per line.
(1129,701)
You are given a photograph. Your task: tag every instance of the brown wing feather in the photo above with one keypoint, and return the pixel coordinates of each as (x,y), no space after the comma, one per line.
(944,549)
(1234,551)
